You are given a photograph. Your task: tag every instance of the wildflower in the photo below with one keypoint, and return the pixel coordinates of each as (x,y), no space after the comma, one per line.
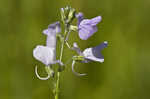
(88,55)
(87,27)
(47,54)
(93,54)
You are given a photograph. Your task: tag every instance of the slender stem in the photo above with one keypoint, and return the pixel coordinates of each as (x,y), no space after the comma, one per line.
(62,49)
(66,39)
(58,73)
(57,86)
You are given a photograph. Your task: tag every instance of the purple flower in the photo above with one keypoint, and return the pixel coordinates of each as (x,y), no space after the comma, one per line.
(47,54)
(87,27)
(93,53)
(89,54)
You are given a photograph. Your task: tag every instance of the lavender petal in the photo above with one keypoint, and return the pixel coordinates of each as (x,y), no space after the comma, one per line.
(96,20)
(80,17)
(44,54)
(86,31)
(53,29)
(88,54)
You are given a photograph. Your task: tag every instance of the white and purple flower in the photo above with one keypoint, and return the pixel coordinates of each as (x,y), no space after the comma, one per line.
(47,54)
(87,27)
(89,54)
(94,54)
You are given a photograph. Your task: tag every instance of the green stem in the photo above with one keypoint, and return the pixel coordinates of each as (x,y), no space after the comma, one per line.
(57,86)
(58,73)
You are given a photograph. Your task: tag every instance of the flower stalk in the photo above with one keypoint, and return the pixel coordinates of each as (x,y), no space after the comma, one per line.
(47,53)
(61,56)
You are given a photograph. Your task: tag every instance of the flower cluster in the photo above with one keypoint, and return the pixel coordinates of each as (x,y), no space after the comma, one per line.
(85,29)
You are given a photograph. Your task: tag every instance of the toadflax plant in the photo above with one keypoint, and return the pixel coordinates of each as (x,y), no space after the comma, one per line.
(47,53)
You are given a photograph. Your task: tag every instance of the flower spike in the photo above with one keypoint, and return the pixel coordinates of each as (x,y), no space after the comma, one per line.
(41,78)
(76,73)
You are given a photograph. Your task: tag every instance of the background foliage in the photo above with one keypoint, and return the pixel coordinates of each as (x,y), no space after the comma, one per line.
(124,74)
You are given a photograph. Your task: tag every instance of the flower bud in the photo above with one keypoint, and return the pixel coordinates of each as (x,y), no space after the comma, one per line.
(73,28)
(67,14)
(63,17)
(71,15)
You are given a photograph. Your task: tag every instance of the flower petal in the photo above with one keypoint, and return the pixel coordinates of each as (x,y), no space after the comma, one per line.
(55,26)
(51,41)
(96,20)
(44,54)
(52,29)
(51,32)
(79,16)
(92,22)
(85,22)
(101,46)
(86,31)
(88,54)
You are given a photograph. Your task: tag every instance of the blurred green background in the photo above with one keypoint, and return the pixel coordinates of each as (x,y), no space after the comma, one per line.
(125,74)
